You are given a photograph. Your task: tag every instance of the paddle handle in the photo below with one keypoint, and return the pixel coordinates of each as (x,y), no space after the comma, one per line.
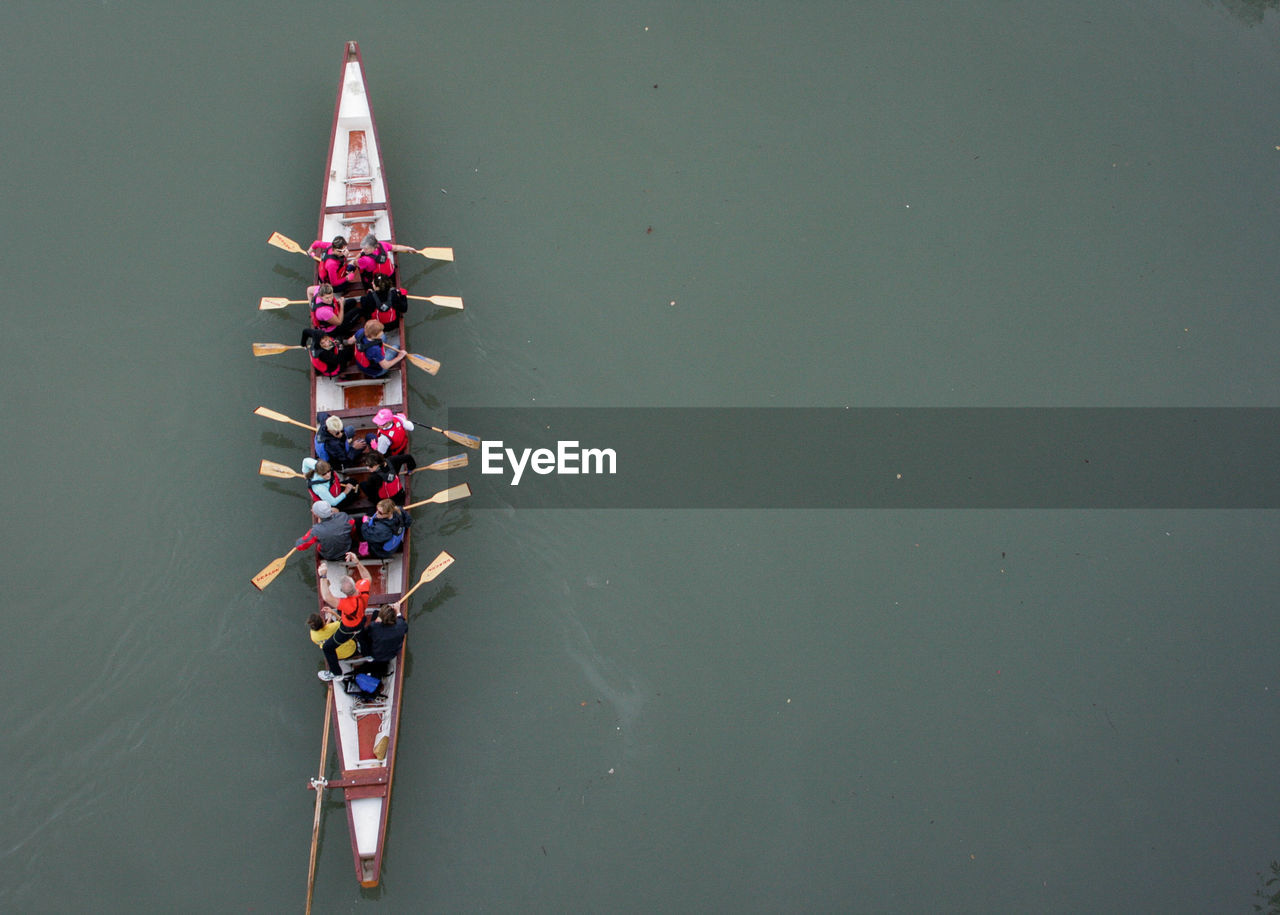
(467,441)
(404,597)
(319,789)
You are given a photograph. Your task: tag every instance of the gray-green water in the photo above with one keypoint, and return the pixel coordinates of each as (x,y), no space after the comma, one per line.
(891,204)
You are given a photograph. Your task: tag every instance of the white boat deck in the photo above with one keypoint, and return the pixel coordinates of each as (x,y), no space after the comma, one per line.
(332,394)
(355,172)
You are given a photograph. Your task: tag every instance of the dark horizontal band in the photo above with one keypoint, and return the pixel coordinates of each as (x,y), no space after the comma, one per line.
(1056,458)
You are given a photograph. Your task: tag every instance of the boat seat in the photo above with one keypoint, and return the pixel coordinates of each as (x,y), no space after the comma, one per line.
(365,412)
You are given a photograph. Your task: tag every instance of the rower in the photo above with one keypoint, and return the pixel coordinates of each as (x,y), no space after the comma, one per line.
(392,437)
(329,355)
(324,484)
(326,308)
(370,352)
(323,625)
(383,481)
(381,640)
(385,532)
(385,303)
(375,258)
(331,533)
(350,604)
(333,267)
(338,444)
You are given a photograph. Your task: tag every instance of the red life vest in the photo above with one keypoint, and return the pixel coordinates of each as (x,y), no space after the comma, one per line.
(390,486)
(370,265)
(324,361)
(335,486)
(388,313)
(397,435)
(316,303)
(324,368)
(332,268)
(370,364)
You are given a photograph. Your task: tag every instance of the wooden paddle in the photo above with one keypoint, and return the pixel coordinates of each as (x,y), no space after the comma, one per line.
(445,463)
(288,244)
(468,441)
(270,301)
(279,471)
(318,787)
(444,301)
(271,349)
(461,491)
(438,565)
(436,254)
(428,365)
(268,575)
(281,418)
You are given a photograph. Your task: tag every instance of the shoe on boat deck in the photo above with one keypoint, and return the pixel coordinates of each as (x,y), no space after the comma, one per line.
(326,675)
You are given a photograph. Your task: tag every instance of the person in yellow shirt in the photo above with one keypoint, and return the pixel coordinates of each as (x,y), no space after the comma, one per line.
(323,625)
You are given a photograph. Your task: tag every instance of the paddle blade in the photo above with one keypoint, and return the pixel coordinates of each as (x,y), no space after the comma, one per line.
(279,471)
(280,418)
(437,254)
(268,575)
(447,463)
(438,565)
(430,366)
(287,244)
(270,301)
(445,301)
(461,491)
(271,414)
(271,349)
(467,441)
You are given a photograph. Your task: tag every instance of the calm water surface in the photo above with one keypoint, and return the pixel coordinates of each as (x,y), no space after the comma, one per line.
(654,204)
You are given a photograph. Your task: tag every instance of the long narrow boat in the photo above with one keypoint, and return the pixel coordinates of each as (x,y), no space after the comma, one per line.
(354,203)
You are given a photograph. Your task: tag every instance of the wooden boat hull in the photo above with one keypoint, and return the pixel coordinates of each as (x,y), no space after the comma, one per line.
(354,203)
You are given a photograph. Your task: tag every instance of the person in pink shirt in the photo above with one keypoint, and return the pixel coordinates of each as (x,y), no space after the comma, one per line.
(375,258)
(326,309)
(332,267)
